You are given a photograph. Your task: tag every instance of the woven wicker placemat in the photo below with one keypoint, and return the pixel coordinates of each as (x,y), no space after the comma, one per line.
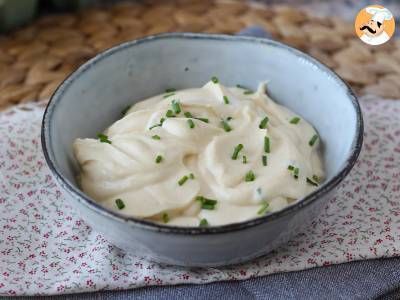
(35,59)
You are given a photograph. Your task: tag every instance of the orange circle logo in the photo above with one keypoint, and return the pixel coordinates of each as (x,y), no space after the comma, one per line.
(374,25)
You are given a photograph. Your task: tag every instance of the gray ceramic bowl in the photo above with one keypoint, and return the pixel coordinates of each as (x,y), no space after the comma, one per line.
(92,98)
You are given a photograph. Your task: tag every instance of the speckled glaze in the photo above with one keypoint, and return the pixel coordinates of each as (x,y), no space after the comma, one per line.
(94,96)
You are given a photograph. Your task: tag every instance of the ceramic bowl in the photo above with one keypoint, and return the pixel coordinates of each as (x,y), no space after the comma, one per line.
(93,97)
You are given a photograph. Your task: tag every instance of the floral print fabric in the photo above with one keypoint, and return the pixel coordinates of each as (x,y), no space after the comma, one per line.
(46,249)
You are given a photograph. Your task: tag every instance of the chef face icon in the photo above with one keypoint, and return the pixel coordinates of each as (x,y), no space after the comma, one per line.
(375,25)
(373,28)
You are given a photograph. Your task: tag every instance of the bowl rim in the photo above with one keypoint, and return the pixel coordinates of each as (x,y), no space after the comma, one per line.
(78,195)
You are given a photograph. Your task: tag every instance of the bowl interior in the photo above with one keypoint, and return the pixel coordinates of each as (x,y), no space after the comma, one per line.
(94,96)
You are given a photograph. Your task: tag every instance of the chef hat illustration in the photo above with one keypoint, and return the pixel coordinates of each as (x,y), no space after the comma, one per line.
(379,14)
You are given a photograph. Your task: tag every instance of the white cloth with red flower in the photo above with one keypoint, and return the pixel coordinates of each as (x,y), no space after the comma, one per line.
(46,249)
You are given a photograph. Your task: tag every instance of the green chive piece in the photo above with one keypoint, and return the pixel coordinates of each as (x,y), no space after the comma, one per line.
(103,138)
(247,90)
(242,87)
(189,115)
(126,109)
(214,79)
(296,172)
(236,151)
(203,223)
(315,178)
(154,126)
(311,182)
(169,114)
(266,144)
(226,126)
(191,123)
(206,203)
(170,90)
(244,159)
(205,120)
(165,218)
(159,158)
(264,208)
(226,99)
(176,107)
(183,180)
(264,160)
(168,95)
(191,176)
(290,168)
(229,118)
(250,176)
(157,125)
(313,140)
(295,120)
(263,123)
(156,137)
(119,203)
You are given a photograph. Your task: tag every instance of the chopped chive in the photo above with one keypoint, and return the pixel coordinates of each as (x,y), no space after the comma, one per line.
(189,115)
(226,99)
(159,158)
(250,176)
(156,137)
(290,168)
(191,123)
(206,203)
(214,79)
(169,114)
(236,151)
(315,178)
(266,144)
(205,120)
(295,120)
(311,182)
(229,118)
(241,87)
(263,123)
(168,95)
(313,140)
(126,109)
(247,90)
(226,126)
(191,176)
(157,125)
(119,203)
(244,159)
(165,218)
(264,208)
(154,126)
(183,180)
(296,172)
(176,107)
(203,223)
(264,160)
(170,90)
(103,138)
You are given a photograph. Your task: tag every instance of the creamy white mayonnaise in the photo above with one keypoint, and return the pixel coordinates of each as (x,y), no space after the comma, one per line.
(172,157)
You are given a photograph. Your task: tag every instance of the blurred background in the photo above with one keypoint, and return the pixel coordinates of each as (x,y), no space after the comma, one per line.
(42,41)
